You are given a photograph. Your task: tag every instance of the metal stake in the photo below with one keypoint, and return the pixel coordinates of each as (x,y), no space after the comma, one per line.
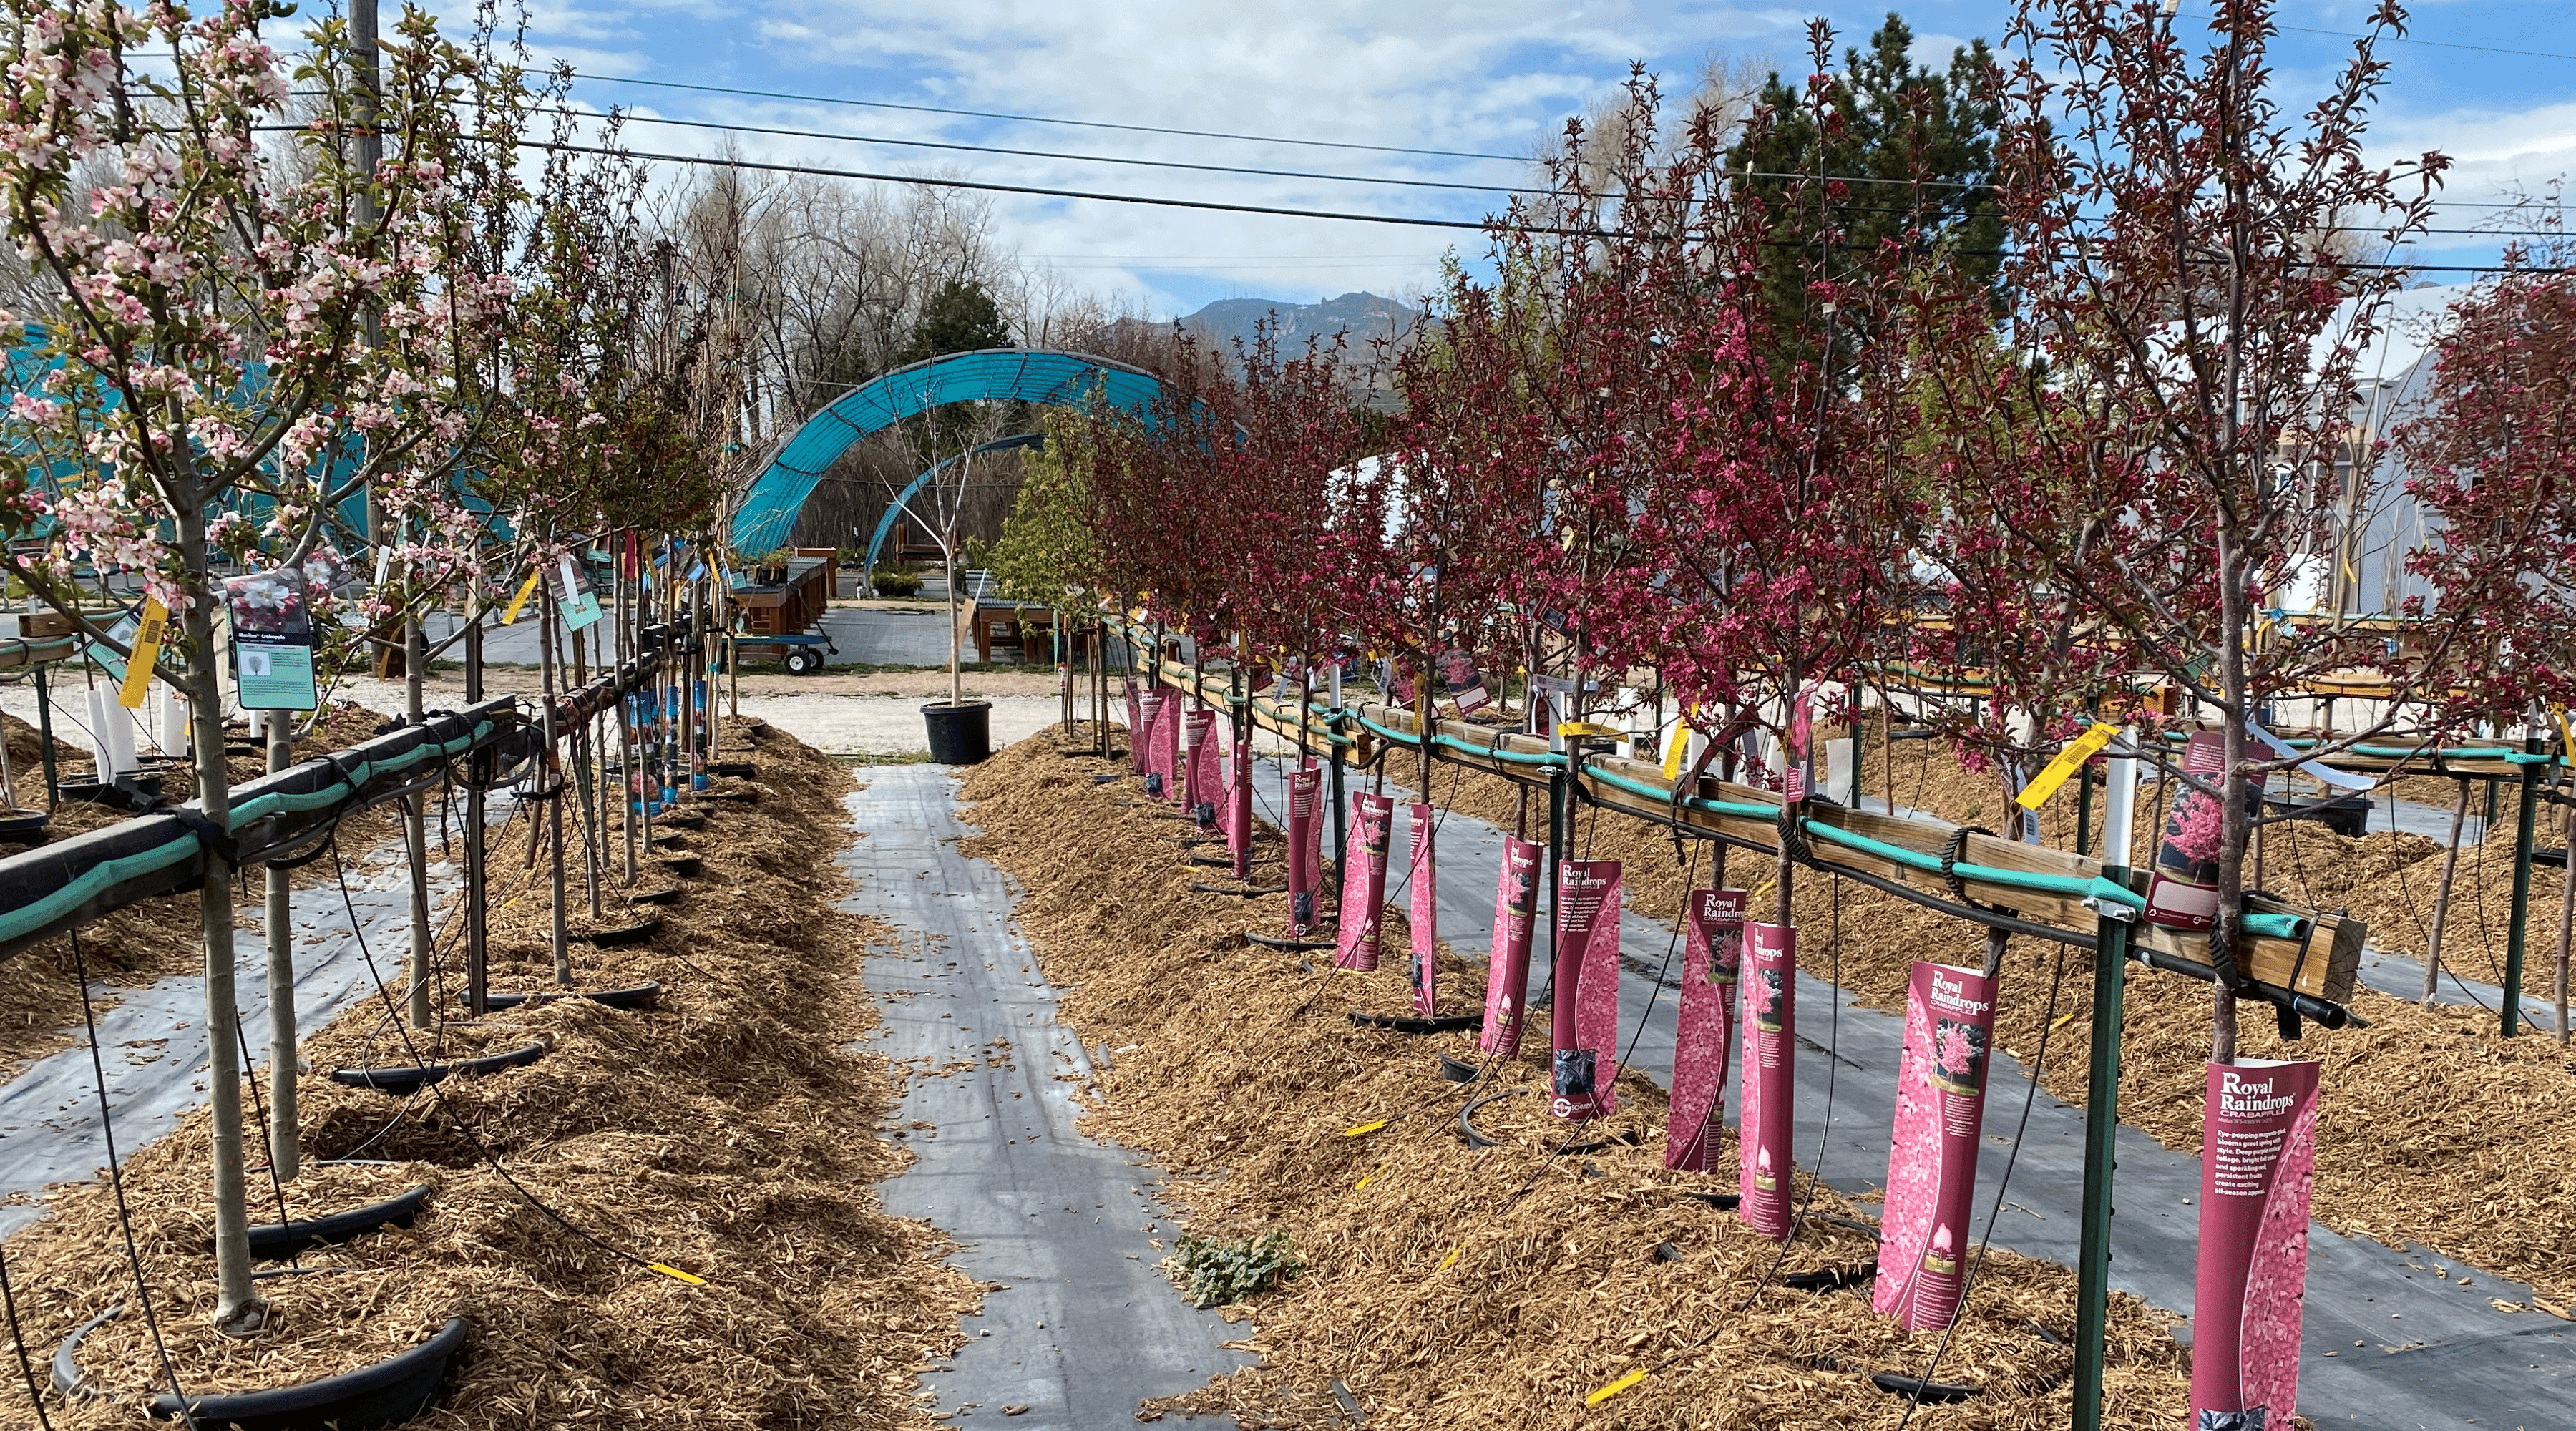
(2101,1134)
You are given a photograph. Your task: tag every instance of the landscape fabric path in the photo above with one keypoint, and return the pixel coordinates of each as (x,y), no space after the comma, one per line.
(2432,1353)
(153,1039)
(1080,1326)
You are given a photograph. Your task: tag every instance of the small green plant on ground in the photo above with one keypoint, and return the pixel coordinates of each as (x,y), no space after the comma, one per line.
(1212,1272)
(895,581)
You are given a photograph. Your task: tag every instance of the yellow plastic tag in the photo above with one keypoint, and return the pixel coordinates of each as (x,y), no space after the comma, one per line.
(1364,1128)
(1674,752)
(1366,1178)
(1451,1260)
(676,1275)
(1584,727)
(1614,1388)
(2566,733)
(2083,748)
(526,589)
(147,649)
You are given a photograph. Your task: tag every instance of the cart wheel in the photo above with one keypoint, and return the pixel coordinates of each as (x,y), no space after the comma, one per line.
(803,662)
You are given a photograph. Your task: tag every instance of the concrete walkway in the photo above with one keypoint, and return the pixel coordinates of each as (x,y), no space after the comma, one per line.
(2432,1353)
(1083,1326)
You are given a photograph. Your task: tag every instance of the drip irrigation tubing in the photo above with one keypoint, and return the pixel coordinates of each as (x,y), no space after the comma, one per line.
(2003,1185)
(116,1181)
(438,1093)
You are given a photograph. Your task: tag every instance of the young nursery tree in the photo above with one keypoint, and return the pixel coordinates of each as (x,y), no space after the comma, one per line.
(2148,457)
(210,257)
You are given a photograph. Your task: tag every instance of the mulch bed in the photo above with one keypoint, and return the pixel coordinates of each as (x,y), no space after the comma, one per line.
(1455,1287)
(731,1132)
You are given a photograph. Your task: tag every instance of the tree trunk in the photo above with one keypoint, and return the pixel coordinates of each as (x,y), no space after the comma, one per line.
(956,636)
(285,1150)
(238,1309)
(552,775)
(2442,898)
(416,848)
(584,750)
(2235,828)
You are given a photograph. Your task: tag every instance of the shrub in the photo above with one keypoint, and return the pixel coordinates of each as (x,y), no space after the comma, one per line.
(1215,1273)
(894,581)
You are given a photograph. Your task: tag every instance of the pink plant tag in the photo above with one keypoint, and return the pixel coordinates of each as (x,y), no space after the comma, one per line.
(1303,878)
(1198,739)
(1364,882)
(1932,1159)
(2183,892)
(1422,912)
(1507,969)
(1315,833)
(1238,793)
(1586,1014)
(1766,1102)
(1149,738)
(2258,1150)
(1167,747)
(1712,959)
(1137,746)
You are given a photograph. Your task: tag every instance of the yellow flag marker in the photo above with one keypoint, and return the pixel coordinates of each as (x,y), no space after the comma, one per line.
(1605,1393)
(1674,752)
(527,588)
(1452,1259)
(676,1275)
(2566,733)
(2083,748)
(1364,1128)
(147,649)
(1367,1177)
(2062,1021)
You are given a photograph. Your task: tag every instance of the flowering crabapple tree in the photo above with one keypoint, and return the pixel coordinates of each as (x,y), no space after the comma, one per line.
(1721,504)
(206,261)
(2491,458)
(1301,423)
(2145,458)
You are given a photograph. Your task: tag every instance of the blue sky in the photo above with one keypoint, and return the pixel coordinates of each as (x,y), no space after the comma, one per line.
(1492,77)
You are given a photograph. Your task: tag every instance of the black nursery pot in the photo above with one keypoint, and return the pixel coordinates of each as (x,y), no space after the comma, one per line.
(961,734)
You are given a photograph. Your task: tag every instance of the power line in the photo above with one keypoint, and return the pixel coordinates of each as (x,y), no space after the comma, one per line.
(2411,40)
(781,131)
(1214,206)
(1043,119)
(1042,191)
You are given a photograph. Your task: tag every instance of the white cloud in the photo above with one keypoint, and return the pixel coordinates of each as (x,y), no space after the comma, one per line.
(2494,155)
(1490,77)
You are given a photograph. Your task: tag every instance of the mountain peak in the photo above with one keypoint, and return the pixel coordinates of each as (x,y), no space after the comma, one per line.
(1362,316)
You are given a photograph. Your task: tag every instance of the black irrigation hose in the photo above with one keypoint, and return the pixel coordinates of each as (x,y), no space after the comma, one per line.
(2030,1092)
(439,1093)
(18,1338)
(1567,1145)
(259,1111)
(116,1180)
(1816,1176)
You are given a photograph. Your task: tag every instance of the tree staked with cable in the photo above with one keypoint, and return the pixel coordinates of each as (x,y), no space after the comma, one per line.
(2122,484)
(204,294)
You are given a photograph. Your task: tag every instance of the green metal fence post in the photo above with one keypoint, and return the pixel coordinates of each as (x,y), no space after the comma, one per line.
(2524,820)
(2101,1133)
